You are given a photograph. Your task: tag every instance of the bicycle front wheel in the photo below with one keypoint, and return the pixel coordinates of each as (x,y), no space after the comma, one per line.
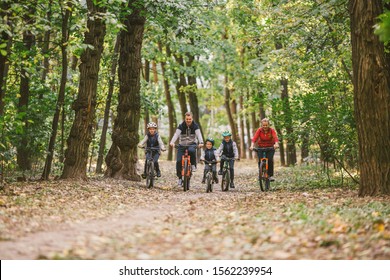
(186,178)
(262,176)
(225,181)
(150,174)
(209,182)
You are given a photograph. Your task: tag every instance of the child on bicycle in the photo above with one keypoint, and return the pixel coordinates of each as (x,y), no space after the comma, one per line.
(228,149)
(210,154)
(152,140)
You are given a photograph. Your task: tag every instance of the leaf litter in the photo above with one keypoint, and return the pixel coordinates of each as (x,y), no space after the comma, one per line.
(117,219)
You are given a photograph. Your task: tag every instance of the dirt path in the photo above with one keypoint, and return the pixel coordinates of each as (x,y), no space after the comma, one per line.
(108,219)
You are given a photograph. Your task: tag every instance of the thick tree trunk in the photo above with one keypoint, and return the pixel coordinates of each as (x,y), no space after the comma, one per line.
(122,158)
(168,99)
(61,94)
(371,80)
(23,150)
(76,155)
(102,143)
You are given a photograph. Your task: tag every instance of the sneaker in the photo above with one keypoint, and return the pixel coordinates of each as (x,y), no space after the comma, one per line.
(216,180)
(158,172)
(232,185)
(179,182)
(220,172)
(193,168)
(143,175)
(271,178)
(203,180)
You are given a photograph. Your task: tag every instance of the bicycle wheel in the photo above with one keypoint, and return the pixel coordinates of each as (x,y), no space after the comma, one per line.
(209,182)
(225,181)
(267,184)
(262,176)
(186,178)
(150,174)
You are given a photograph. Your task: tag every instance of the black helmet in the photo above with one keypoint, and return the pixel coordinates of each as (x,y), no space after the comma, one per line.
(211,140)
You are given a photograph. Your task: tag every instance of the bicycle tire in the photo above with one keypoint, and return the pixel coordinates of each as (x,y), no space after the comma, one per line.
(225,181)
(267,184)
(150,174)
(209,182)
(186,178)
(262,179)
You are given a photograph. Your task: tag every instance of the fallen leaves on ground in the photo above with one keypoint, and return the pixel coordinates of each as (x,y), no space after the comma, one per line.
(113,219)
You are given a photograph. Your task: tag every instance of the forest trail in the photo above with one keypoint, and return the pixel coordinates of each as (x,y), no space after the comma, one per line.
(110,219)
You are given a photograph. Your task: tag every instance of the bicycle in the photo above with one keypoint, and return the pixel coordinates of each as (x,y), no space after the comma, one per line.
(186,171)
(150,174)
(264,180)
(209,175)
(225,183)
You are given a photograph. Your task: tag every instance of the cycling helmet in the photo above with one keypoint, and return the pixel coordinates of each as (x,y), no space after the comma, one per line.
(211,140)
(151,124)
(226,133)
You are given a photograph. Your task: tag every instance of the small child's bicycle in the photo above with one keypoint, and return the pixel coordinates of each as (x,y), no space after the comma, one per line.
(209,175)
(186,171)
(264,180)
(225,183)
(150,172)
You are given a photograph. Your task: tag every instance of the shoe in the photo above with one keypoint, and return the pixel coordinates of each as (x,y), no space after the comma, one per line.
(220,172)
(143,175)
(193,168)
(158,173)
(203,180)
(179,182)
(216,180)
(232,185)
(271,178)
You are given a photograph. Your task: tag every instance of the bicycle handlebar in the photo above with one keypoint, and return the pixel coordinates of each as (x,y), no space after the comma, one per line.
(209,162)
(264,149)
(186,146)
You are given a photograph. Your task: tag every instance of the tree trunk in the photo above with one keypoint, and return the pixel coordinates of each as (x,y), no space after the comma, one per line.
(122,158)
(3,58)
(242,128)
(76,155)
(291,149)
(23,150)
(235,132)
(168,99)
(102,143)
(146,110)
(61,94)
(229,112)
(181,85)
(371,80)
(192,98)
(281,146)
(46,44)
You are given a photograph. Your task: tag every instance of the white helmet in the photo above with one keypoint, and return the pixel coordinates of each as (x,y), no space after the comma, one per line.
(151,124)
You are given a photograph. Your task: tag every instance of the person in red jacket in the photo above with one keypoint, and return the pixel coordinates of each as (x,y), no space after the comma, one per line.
(266,137)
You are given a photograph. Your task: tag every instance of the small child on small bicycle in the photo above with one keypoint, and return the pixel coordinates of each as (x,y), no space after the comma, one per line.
(210,154)
(153,140)
(228,149)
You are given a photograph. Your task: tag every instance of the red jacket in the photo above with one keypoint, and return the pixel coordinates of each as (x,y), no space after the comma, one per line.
(265,139)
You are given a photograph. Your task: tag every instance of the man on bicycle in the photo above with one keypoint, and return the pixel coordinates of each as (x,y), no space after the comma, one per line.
(266,137)
(188,133)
